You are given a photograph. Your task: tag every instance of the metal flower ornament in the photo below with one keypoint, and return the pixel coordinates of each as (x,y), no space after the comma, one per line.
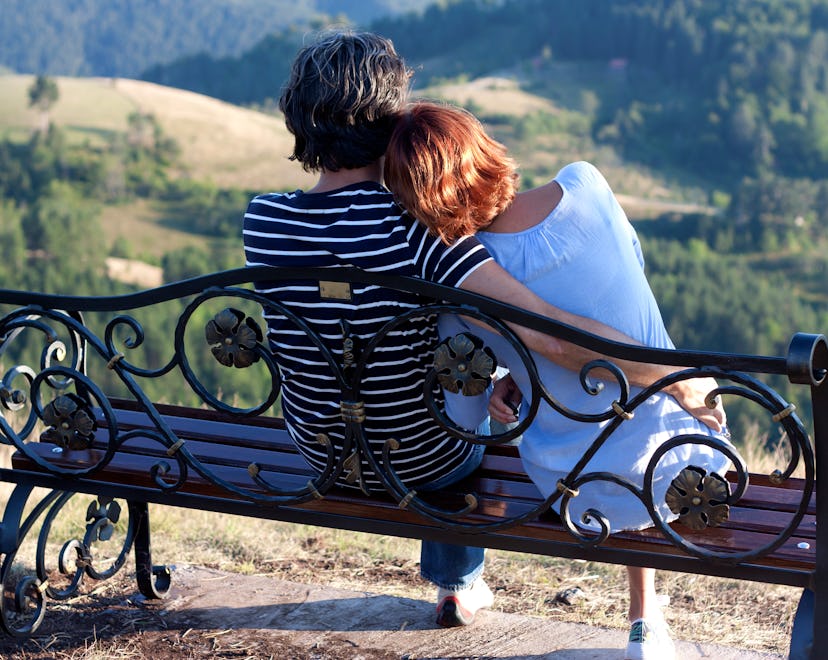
(699,499)
(233,338)
(464,364)
(103,514)
(70,424)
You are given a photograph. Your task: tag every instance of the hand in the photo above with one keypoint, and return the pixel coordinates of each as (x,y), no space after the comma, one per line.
(691,395)
(504,401)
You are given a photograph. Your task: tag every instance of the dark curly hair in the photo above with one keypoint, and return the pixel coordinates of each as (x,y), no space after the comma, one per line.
(342,100)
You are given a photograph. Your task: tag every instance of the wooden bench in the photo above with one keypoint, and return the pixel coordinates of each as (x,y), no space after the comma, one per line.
(222,459)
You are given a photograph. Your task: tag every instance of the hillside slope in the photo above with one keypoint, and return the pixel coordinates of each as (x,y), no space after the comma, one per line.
(232,146)
(222,143)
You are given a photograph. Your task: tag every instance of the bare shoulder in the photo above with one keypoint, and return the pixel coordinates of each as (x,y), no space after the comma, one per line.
(529,208)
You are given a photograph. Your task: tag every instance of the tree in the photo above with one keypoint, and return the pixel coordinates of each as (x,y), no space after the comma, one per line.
(65,238)
(43,94)
(12,245)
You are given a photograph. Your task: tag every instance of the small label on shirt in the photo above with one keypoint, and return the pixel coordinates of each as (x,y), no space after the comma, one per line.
(334,290)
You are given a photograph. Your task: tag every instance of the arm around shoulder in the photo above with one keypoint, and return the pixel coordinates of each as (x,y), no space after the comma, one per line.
(493,281)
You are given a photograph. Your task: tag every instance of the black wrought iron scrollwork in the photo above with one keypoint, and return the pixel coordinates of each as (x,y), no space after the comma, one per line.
(22,615)
(79,415)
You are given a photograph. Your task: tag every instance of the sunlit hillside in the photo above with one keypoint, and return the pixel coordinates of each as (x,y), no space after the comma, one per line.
(233,146)
(220,142)
(491,95)
(643,193)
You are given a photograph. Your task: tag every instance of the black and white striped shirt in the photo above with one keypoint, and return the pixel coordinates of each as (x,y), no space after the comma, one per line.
(358,225)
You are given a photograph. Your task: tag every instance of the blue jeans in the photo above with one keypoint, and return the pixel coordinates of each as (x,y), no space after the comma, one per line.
(447,565)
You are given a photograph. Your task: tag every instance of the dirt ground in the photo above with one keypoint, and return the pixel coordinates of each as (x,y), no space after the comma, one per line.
(115,621)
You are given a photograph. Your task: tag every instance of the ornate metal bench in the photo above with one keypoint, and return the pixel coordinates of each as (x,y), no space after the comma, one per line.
(71,435)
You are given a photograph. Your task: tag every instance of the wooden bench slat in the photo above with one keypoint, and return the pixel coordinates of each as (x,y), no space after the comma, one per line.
(208,440)
(498,498)
(502,487)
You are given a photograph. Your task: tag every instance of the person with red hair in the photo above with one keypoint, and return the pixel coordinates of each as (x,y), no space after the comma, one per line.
(568,241)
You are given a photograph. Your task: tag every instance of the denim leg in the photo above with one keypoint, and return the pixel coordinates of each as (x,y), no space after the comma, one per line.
(447,565)
(451,566)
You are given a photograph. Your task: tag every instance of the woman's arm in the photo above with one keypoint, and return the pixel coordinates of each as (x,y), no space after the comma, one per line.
(493,281)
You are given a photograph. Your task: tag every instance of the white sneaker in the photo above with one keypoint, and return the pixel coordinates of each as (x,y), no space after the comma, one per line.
(650,640)
(457,608)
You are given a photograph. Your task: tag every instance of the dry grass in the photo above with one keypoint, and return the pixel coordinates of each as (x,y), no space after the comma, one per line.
(222,143)
(86,107)
(643,193)
(491,96)
(744,614)
(236,147)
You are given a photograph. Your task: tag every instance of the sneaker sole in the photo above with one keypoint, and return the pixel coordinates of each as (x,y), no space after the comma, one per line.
(451,615)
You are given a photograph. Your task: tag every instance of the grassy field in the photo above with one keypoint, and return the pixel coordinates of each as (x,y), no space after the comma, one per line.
(230,146)
(137,222)
(578,92)
(238,147)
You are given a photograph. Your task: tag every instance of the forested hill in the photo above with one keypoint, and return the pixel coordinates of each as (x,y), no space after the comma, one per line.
(728,89)
(121,38)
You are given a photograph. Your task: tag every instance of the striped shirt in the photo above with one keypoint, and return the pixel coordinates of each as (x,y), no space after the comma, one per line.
(358,225)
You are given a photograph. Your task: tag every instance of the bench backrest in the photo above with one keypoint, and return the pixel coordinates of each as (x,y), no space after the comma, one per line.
(69,389)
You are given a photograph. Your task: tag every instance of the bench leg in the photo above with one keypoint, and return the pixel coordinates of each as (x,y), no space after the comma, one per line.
(153,581)
(22,600)
(819,617)
(802,636)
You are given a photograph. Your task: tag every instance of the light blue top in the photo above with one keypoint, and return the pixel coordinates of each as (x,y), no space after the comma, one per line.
(584,257)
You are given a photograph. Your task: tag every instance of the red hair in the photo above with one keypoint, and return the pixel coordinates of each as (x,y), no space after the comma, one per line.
(446,171)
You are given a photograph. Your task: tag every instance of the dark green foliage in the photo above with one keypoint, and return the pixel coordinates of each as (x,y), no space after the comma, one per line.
(253,78)
(12,243)
(65,240)
(51,241)
(728,89)
(43,93)
(202,208)
(766,216)
(124,37)
(729,304)
(188,262)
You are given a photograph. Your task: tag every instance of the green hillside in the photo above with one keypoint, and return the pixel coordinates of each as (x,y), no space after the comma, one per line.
(220,144)
(234,147)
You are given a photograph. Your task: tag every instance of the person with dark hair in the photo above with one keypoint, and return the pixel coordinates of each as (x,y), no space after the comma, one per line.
(341,102)
(568,239)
